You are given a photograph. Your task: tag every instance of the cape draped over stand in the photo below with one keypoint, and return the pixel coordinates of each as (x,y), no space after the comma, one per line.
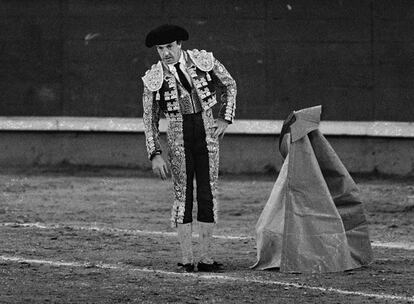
(314,220)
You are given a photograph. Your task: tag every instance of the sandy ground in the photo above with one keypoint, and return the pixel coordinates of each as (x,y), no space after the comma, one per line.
(95,221)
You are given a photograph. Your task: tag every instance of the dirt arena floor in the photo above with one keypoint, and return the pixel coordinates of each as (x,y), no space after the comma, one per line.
(104,236)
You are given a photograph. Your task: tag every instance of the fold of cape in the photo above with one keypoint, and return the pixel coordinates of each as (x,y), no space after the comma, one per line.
(313,221)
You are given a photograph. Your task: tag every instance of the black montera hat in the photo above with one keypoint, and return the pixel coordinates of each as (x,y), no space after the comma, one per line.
(164,34)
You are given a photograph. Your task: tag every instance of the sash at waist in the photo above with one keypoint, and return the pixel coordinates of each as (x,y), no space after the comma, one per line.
(190,104)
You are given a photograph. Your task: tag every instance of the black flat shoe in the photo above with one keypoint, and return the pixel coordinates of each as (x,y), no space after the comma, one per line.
(186,267)
(214,267)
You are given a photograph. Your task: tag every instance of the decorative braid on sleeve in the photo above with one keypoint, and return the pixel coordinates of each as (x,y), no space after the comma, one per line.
(228,98)
(151,118)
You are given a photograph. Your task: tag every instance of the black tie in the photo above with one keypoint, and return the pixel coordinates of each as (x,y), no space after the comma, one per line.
(182,77)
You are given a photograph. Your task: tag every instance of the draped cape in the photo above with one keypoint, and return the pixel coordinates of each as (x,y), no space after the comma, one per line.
(313,221)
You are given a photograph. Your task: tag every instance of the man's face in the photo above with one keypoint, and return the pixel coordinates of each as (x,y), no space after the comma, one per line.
(170,52)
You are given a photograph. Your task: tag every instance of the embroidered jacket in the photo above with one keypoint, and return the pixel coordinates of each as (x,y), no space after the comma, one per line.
(164,94)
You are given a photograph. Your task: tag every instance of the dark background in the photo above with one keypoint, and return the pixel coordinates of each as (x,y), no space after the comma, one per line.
(355,57)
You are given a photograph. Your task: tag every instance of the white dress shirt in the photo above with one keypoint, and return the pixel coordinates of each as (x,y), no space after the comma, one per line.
(183,69)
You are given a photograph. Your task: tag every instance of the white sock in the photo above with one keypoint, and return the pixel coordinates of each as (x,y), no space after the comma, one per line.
(205,236)
(184,232)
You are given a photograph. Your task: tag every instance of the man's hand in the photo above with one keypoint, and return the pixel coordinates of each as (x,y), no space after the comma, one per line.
(159,167)
(221,126)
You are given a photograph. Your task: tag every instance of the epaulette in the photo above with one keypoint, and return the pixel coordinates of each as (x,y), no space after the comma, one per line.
(202,59)
(154,77)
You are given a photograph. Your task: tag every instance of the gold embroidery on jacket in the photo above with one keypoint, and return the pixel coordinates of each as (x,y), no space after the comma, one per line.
(153,78)
(202,59)
(151,117)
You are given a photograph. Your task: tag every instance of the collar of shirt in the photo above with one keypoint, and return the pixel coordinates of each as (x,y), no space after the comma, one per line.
(183,69)
(181,60)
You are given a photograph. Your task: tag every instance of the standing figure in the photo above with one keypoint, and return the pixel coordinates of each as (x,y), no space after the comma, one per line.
(183,87)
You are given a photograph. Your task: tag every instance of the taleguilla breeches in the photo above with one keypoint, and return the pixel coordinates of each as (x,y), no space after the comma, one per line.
(194,154)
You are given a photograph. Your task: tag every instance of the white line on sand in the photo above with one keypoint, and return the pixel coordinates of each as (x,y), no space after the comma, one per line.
(392,245)
(213,277)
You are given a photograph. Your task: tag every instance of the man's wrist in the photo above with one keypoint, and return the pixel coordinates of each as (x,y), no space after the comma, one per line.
(223,120)
(154,154)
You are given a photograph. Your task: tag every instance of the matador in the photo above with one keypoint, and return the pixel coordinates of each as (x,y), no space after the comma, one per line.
(182,86)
